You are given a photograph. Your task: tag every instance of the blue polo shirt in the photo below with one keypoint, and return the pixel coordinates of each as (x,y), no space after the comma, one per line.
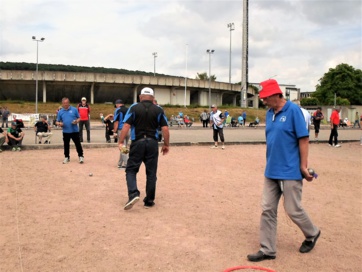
(283,132)
(67,117)
(119,115)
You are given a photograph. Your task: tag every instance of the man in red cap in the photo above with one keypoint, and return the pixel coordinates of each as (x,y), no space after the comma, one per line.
(287,140)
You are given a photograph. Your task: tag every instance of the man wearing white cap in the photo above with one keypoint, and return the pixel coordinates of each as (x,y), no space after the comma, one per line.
(84,112)
(287,140)
(217,123)
(143,119)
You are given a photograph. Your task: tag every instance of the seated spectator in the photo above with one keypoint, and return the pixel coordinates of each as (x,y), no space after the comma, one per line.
(109,122)
(3,138)
(240,120)
(227,120)
(234,122)
(187,121)
(15,136)
(42,129)
(180,121)
(255,123)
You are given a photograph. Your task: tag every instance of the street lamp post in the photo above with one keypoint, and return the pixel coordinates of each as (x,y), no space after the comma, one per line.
(36,80)
(185,76)
(210,51)
(231,26)
(154,63)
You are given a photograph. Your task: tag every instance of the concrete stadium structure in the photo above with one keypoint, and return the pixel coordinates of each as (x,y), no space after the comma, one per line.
(105,87)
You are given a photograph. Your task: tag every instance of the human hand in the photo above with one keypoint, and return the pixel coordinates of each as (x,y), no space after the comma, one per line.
(165,149)
(306,174)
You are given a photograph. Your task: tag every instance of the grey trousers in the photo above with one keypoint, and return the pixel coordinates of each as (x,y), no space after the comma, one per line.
(292,191)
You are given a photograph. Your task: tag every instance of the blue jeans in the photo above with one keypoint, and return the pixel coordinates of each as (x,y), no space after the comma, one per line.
(146,151)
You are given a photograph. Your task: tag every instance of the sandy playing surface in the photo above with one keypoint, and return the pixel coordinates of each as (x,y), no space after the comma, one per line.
(55,217)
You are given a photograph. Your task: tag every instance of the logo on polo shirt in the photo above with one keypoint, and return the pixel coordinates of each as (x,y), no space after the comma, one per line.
(283,119)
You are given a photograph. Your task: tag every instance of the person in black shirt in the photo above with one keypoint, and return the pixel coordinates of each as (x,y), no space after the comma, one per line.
(42,129)
(109,122)
(15,136)
(143,119)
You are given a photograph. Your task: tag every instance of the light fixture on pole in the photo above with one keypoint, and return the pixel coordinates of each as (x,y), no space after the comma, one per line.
(36,80)
(231,26)
(210,51)
(154,63)
(185,76)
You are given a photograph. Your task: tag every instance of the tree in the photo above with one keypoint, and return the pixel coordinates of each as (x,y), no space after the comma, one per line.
(310,101)
(344,81)
(204,76)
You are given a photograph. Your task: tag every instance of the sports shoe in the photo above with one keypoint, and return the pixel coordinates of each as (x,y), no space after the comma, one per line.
(131,202)
(14,149)
(18,149)
(66,160)
(309,245)
(39,142)
(259,256)
(337,145)
(81,159)
(1,150)
(223,147)
(214,146)
(46,142)
(149,205)
(331,145)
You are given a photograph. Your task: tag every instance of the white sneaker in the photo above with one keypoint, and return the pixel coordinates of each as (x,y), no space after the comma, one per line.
(66,160)
(337,145)
(81,159)
(14,149)
(214,146)
(331,145)
(19,149)
(223,147)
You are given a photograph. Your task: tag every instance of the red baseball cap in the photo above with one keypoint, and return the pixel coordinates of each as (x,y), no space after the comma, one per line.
(269,88)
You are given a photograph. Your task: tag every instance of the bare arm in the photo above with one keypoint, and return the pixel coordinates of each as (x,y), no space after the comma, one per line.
(123,135)
(303,150)
(166,136)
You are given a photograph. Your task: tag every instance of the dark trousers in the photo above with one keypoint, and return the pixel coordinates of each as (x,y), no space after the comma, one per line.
(220,132)
(108,134)
(204,123)
(146,151)
(87,127)
(75,138)
(333,137)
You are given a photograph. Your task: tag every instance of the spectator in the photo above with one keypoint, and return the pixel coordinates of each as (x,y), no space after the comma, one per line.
(180,121)
(204,117)
(84,113)
(317,118)
(334,121)
(356,121)
(3,138)
(42,129)
(68,118)
(187,121)
(216,122)
(244,117)
(109,122)
(143,119)
(241,120)
(119,115)
(5,117)
(102,119)
(15,136)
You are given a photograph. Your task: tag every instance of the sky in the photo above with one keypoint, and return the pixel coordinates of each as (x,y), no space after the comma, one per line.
(293,41)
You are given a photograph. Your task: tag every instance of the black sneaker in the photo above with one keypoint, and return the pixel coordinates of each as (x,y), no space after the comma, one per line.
(149,204)
(131,202)
(46,142)
(309,245)
(259,256)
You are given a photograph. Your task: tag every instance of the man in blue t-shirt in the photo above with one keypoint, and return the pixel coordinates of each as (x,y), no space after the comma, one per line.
(287,140)
(68,118)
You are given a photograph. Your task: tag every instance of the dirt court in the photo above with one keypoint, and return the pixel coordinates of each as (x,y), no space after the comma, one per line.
(55,217)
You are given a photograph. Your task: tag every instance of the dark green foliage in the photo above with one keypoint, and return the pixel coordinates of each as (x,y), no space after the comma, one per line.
(344,81)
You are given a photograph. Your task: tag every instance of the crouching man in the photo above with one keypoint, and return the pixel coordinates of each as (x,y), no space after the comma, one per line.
(16,136)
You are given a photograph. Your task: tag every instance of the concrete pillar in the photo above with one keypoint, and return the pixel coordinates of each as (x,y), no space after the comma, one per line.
(234,100)
(92,94)
(44,92)
(135,94)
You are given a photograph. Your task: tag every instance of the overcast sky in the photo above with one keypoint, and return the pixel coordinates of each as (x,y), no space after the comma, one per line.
(294,41)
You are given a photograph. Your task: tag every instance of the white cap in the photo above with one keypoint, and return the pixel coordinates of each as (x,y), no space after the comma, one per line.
(147,91)
(83,98)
